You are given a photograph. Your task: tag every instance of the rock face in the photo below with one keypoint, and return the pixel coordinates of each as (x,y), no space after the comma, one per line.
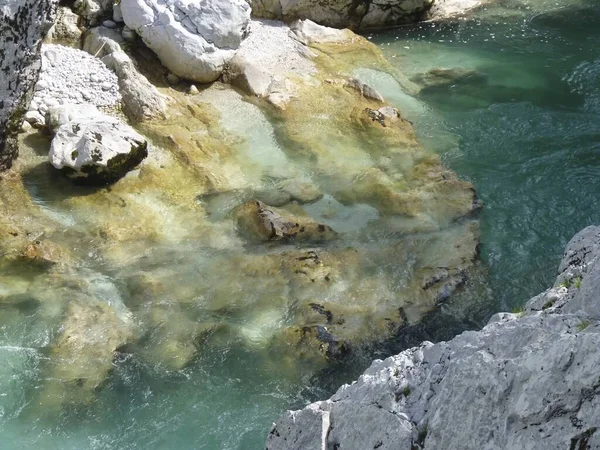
(23,24)
(92,147)
(193,39)
(344,13)
(525,381)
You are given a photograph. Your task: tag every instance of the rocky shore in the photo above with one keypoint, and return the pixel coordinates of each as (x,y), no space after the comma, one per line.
(528,380)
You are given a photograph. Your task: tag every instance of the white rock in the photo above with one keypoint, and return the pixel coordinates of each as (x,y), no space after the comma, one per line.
(25,127)
(519,383)
(98,150)
(34,118)
(61,115)
(193,90)
(194,39)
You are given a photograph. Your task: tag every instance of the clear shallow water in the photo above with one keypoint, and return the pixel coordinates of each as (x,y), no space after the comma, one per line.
(528,139)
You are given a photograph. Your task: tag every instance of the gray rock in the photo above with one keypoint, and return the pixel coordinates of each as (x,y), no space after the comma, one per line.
(522,382)
(26,23)
(109,24)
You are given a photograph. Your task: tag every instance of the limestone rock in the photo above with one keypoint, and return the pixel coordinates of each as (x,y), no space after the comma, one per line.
(26,23)
(193,39)
(309,32)
(247,76)
(141,99)
(520,382)
(100,149)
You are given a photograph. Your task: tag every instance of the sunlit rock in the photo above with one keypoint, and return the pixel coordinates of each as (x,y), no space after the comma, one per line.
(100,149)
(193,39)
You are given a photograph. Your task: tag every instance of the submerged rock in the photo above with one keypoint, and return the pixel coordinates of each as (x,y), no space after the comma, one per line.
(97,148)
(193,39)
(443,78)
(523,381)
(257,220)
(24,25)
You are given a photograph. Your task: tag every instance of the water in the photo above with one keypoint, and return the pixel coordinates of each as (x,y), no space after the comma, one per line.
(527,135)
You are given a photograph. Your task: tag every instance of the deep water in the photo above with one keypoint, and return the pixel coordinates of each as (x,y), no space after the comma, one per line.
(525,131)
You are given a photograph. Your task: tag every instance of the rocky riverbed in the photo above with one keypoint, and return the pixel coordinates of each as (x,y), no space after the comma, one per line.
(286,210)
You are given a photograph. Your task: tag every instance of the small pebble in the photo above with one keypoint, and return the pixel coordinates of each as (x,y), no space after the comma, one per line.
(107,86)
(109,24)
(193,90)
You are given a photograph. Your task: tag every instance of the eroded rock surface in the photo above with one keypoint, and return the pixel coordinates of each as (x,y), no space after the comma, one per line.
(23,25)
(95,148)
(193,39)
(524,381)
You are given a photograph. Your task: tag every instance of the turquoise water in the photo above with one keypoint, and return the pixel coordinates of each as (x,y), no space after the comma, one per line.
(526,133)
(528,136)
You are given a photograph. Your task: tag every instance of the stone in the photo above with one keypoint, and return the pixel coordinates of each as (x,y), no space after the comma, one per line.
(141,100)
(524,381)
(99,150)
(109,24)
(193,39)
(117,14)
(26,22)
(66,27)
(193,90)
(26,127)
(93,11)
(35,119)
(443,78)
(308,32)
(63,114)
(262,222)
(247,76)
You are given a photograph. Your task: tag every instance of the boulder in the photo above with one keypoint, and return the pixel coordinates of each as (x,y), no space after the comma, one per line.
(96,149)
(141,99)
(444,78)
(526,380)
(24,25)
(193,39)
